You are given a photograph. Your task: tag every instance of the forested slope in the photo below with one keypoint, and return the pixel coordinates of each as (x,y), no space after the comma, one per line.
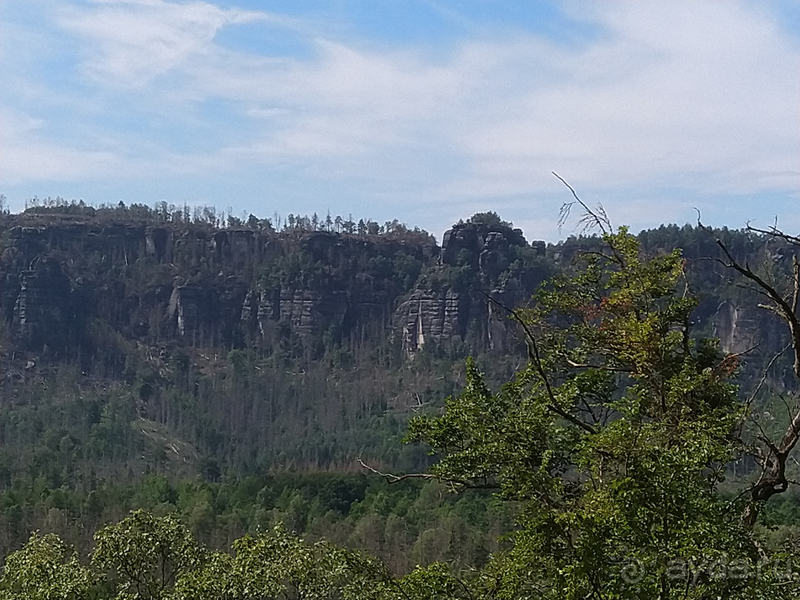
(154,349)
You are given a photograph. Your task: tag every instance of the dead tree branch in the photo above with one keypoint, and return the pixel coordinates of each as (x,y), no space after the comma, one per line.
(773,460)
(590,218)
(391,477)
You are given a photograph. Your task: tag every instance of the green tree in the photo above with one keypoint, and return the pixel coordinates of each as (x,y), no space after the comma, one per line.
(282,565)
(612,442)
(145,555)
(45,569)
(214,581)
(279,565)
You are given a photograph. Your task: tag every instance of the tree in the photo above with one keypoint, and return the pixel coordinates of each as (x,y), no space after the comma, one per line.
(278,564)
(146,555)
(782,298)
(612,441)
(45,569)
(490,218)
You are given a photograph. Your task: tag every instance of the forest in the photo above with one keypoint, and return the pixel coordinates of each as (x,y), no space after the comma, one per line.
(197,405)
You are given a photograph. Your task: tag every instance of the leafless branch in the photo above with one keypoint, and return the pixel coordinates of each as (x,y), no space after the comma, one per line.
(764,375)
(775,232)
(783,308)
(589,219)
(577,365)
(391,477)
(773,463)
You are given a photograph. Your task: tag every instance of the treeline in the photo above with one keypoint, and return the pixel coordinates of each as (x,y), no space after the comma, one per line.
(157,557)
(208,215)
(402,524)
(79,452)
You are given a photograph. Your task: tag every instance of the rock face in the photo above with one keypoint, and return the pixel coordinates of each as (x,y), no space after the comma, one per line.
(206,312)
(306,312)
(432,317)
(481,245)
(743,328)
(64,279)
(44,303)
(309,310)
(203,286)
(199,285)
(479,260)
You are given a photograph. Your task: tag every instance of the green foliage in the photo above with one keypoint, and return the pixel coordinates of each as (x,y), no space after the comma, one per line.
(45,569)
(203,427)
(145,555)
(403,525)
(613,441)
(149,557)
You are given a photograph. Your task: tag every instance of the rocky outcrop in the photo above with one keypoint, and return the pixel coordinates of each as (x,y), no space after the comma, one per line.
(199,285)
(475,265)
(207,315)
(447,317)
(312,311)
(481,245)
(742,328)
(432,317)
(44,311)
(157,283)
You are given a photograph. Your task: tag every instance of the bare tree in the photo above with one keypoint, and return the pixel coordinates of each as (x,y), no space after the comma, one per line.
(771,453)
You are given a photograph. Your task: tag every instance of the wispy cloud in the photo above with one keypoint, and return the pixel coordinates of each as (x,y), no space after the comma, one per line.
(130,42)
(697,99)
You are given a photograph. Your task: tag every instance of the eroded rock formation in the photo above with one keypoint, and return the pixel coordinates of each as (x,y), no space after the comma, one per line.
(202,286)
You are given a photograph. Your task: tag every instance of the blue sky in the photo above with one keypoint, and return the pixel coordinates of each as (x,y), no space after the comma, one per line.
(424,111)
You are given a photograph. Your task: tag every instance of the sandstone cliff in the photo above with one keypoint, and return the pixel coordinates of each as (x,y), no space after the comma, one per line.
(204,286)
(63,277)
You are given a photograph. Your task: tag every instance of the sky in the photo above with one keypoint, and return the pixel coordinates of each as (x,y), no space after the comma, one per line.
(425,111)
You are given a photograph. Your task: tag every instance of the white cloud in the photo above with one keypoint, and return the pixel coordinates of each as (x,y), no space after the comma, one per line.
(133,41)
(673,89)
(699,90)
(693,96)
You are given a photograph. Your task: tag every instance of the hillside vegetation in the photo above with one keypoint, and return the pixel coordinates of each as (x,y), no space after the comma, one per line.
(235,370)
